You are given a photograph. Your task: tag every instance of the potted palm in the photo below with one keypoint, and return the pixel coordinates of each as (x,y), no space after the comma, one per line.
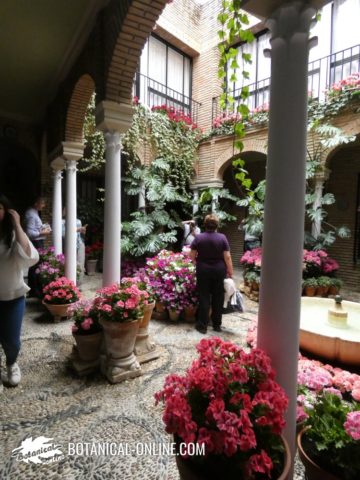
(329,445)
(229,403)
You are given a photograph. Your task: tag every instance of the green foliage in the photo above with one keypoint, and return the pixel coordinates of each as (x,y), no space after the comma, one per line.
(310,282)
(205,204)
(327,442)
(165,181)
(94,152)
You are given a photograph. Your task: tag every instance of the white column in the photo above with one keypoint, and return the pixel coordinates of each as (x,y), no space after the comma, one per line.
(112,214)
(320,179)
(70,221)
(113,119)
(195,205)
(57,211)
(281,271)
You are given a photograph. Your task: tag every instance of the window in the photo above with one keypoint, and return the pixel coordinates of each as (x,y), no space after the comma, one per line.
(165,76)
(258,69)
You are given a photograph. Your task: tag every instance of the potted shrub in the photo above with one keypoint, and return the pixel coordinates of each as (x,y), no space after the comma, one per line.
(86,330)
(309,286)
(228,402)
(253,279)
(59,295)
(329,445)
(335,285)
(120,308)
(323,286)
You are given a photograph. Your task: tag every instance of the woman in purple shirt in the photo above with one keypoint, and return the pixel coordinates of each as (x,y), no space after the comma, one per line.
(211,252)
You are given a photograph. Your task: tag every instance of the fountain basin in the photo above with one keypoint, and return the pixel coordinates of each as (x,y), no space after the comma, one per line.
(320,338)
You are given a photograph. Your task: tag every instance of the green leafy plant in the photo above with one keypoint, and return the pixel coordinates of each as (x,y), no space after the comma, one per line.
(311,282)
(222,198)
(324,281)
(333,437)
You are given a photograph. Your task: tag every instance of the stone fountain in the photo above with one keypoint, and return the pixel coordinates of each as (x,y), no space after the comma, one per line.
(330,328)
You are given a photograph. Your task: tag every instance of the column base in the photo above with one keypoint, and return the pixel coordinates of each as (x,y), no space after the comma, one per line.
(83,367)
(145,348)
(117,370)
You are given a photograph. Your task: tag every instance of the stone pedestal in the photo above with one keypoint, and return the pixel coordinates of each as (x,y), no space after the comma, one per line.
(83,367)
(145,348)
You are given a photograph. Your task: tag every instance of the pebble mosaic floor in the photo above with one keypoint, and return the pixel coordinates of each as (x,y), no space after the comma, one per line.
(53,402)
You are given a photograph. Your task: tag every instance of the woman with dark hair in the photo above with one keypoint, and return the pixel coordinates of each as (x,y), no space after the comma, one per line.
(16,254)
(211,252)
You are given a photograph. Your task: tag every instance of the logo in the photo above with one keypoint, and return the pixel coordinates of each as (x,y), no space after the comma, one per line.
(40,450)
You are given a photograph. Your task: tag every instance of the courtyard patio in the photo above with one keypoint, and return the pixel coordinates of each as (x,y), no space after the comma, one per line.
(54,402)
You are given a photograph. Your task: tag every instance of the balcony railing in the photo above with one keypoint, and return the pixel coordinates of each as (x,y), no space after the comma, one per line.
(322,74)
(153,93)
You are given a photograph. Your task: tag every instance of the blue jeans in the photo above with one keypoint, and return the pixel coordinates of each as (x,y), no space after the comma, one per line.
(11,316)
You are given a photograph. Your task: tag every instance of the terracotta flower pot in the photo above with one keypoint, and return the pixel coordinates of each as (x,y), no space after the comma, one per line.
(313,471)
(188,470)
(144,322)
(190,313)
(91,264)
(333,290)
(173,315)
(321,291)
(58,311)
(160,307)
(88,346)
(310,291)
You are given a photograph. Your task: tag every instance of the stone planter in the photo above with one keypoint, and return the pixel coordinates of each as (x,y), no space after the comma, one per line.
(59,312)
(90,265)
(119,363)
(188,470)
(313,470)
(145,348)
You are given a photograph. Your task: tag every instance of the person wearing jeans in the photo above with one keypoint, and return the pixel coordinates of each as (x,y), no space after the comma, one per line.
(16,254)
(211,252)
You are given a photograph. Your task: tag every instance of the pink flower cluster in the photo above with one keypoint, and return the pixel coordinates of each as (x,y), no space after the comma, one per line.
(318,262)
(226,119)
(177,116)
(50,266)
(350,82)
(122,302)
(252,259)
(61,291)
(85,318)
(172,279)
(229,401)
(352,425)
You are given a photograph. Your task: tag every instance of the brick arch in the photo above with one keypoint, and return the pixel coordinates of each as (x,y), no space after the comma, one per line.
(255,145)
(132,34)
(79,101)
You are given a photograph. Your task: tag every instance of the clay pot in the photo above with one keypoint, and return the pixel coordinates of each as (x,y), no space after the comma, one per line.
(91,266)
(88,346)
(173,315)
(144,322)
(58,311)
(312,470)
(188,470)
(190,313)
(333,290)
(310,291)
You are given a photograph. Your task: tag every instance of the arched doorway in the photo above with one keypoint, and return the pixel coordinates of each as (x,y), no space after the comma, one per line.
(255,163)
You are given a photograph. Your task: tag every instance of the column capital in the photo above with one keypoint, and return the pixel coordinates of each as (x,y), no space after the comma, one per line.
(113,117)
(58,164)
(263,10)
(72,150)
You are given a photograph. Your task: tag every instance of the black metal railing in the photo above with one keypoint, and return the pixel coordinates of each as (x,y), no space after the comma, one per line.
(153,94)
(322,74)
